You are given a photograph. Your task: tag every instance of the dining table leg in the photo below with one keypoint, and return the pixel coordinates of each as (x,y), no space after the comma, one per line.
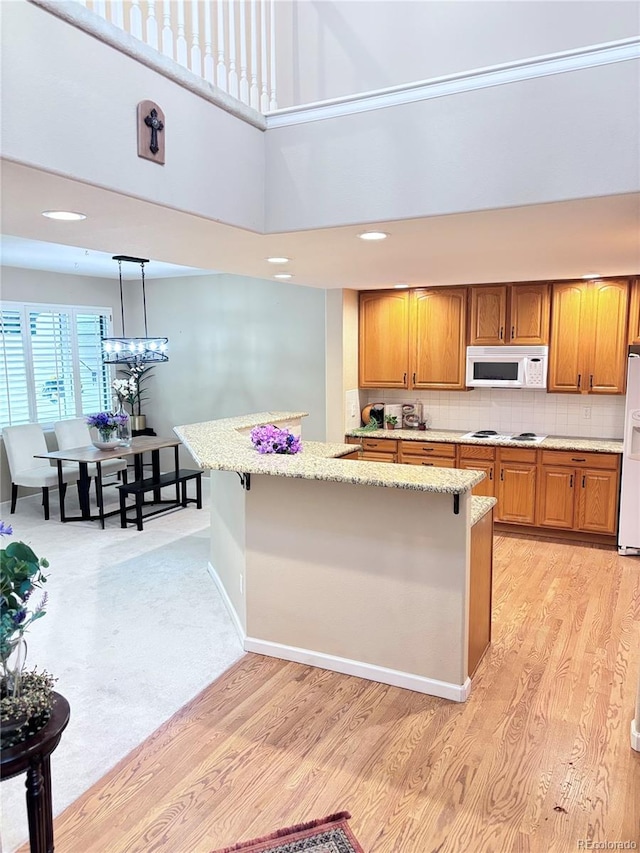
(99,495)
(61,490)
(84,484)
(155,473)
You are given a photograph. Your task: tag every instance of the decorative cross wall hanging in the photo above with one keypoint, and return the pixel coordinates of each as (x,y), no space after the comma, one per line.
(151,123)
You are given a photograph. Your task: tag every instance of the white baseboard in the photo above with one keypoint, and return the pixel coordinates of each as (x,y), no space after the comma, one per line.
(417,683)
(227,602)
(635,736)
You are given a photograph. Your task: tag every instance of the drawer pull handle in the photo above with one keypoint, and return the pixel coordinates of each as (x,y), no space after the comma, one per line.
(428,449)
(491,473)
(578,459)
(414,379)
(502,474)
(591,381)
(428,463)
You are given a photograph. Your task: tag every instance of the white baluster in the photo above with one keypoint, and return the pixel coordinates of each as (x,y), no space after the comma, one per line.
(181,39)
(100,8)
(135,20)
(233,73)
(152,24)
(196,53)
(254,95)
(273,104)
(244,82)
(117,13)
(221,68)
(264,94)
(208,43)
(167,32)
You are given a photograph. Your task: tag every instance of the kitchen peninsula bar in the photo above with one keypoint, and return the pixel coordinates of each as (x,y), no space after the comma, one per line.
(359,567)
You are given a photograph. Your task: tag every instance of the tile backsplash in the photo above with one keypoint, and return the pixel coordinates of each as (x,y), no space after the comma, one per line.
(511,410)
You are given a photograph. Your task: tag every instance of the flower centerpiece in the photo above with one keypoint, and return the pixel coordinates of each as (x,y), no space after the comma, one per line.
(126,390)
(107,424)
(25,697)
(272,439)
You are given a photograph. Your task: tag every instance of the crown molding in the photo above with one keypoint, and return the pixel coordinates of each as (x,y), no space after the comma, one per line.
(579,59)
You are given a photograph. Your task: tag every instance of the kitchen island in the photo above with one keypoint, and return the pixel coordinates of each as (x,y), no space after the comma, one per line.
(359,567)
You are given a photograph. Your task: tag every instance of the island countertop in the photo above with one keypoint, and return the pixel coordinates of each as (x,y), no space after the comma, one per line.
(225,445)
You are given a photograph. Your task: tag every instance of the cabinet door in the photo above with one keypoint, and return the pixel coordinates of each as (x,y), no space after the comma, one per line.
(438,330)
(384,340)
(556,491)
(488,316)
(529,314)
(568,317)
(607,338)
(516,492)
(597,510)
(634,313)
(487,486)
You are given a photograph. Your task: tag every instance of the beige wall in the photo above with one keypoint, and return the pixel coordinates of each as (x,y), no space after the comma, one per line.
(330,48)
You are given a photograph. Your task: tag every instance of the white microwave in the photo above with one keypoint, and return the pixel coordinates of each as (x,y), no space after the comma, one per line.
(507,367)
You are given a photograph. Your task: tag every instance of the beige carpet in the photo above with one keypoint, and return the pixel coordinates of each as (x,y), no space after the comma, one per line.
(134,629)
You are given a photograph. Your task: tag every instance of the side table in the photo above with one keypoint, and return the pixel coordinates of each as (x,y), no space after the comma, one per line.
(34,756)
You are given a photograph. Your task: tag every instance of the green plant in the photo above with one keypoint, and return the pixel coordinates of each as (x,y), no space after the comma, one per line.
(26,713)
(141,373)
(392,420)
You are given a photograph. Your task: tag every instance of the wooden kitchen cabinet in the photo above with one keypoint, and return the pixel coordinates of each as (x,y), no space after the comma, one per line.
(512,314)
(516,485)
(431,454)
(477,458)
(634,313)
(437,353)
(587,351)
(578,491)
(384,339)
(379,450)
(480,588)
(413,339)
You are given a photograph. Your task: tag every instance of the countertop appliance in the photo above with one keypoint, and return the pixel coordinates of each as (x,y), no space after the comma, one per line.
(516,437)
(507,367)
(629,526)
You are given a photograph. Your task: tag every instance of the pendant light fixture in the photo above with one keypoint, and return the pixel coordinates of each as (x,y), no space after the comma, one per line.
(127,350)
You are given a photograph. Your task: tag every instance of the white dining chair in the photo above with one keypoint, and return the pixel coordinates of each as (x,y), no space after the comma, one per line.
(75,433)
(22,443)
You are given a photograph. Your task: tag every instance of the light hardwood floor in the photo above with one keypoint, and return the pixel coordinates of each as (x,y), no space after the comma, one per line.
(537,759)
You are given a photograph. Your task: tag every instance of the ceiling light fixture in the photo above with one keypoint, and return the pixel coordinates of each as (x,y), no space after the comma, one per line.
(278,260)
(401,286)
(127,350)
(373,235)
(283,275)
(591,275)
(64,215)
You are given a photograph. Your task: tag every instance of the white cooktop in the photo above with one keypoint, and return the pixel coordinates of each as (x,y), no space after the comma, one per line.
(507,436)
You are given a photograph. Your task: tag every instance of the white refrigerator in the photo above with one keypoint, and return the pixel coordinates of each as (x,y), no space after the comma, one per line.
(629,527)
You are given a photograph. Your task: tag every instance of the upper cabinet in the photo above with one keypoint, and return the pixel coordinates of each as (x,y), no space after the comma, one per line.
(384,339)
(634,313)
(438,328)
(513,314)
(588,337)
(413,339)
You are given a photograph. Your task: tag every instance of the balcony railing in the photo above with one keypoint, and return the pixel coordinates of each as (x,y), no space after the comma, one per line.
(230,43)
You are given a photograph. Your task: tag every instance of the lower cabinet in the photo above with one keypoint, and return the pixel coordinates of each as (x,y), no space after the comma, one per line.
(376,449)
(434,455)
(480,583)
(477,458)
(516,485)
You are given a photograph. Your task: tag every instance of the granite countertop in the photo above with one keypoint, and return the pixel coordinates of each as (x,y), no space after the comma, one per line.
(225,445)
(480,506)
(446,436)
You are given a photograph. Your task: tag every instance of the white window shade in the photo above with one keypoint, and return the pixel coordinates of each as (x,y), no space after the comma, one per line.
(14,395)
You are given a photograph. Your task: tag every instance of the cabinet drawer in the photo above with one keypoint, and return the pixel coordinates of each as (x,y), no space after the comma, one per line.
(516,454)
(425,448)
(431,462)
(576,459)
(473,451)
(382,444)
(378,457)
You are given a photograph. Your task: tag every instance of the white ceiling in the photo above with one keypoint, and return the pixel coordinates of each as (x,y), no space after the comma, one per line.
(552,241)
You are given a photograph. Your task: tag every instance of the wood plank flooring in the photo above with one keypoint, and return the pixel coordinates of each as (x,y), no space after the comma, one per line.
(536,760)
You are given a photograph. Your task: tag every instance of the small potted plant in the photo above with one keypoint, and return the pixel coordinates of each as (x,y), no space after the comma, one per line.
(390,421)
(26,697)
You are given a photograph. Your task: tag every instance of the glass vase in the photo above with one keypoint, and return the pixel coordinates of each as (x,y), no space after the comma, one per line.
(123,429)
(12,667)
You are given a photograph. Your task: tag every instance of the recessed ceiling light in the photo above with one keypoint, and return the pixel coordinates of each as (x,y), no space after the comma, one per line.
(65,215)
(592,275)
(373,235)
(278,260)
(400,286)
(283,275)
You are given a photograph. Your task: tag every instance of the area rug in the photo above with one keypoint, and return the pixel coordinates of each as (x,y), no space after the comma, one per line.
(327,835)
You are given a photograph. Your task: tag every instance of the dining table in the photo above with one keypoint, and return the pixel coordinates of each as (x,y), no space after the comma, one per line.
(90,455)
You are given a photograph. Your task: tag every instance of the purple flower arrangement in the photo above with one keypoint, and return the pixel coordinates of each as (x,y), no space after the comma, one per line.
(107,422)
(272,439)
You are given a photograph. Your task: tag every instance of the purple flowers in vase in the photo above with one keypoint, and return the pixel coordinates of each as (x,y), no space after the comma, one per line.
(272,439)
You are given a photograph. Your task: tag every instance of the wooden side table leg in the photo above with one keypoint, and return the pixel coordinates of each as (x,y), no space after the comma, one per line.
(46,776)
(37,812)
